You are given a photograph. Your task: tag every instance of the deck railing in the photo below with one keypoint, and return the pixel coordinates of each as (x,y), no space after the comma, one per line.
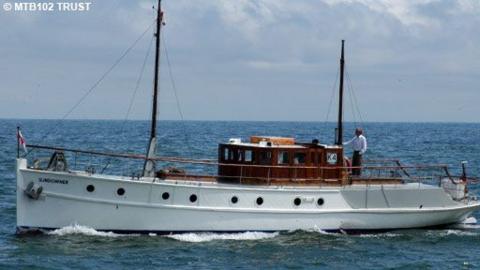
(373,170)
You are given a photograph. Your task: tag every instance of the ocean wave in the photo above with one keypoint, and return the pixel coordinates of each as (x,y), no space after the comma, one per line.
(460,233)
(469,223)
(451,232)
(465,226)
(206,237)
(470,220)
(379,235)
(320,231)
(83,230)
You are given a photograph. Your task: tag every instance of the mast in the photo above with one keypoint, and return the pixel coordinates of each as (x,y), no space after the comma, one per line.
(339,139)
(149,166)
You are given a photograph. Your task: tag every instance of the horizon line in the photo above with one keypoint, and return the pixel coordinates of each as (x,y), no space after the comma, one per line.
(237,120)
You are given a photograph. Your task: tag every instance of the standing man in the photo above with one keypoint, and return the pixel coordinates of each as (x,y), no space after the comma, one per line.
(359,144)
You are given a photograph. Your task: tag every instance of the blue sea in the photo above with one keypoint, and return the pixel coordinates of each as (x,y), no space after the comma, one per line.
(79,247)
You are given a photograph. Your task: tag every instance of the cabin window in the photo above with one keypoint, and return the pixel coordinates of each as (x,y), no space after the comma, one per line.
(299,158)
(232,154)
(266,157)
(248,156)
(225,154)
(241,155)
(283,157)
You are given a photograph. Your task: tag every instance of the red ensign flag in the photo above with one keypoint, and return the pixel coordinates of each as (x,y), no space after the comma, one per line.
(21,140)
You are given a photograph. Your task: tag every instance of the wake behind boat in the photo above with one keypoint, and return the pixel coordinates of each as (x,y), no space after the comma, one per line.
(266,183)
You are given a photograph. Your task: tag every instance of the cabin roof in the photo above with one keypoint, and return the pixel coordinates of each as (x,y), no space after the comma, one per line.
(276,142)
(260,145)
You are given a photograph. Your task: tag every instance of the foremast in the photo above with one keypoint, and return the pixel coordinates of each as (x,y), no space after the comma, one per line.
(339,139)
(149,166)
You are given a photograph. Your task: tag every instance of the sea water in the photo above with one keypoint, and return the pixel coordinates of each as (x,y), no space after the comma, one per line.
(81,247)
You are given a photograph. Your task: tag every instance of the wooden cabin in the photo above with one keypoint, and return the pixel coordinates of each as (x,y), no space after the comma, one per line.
(279,160)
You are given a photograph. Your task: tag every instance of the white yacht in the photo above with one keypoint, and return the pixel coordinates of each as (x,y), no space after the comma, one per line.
(266,183)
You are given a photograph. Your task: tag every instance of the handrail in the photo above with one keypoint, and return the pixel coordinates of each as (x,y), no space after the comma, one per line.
(212,162)
(269,178)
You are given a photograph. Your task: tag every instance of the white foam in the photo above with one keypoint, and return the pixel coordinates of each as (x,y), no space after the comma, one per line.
(379,235)
(460,233)
(465,226)
(469,223)
(470,220)
(451,232)
(205,237)
(83,230)
(315,229)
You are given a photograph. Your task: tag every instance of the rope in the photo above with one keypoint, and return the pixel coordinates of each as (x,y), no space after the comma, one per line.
(174,88)
(332,97)
(349,81)
(137,85)
(105,74)
(349,90)
(172,81)
(132,99)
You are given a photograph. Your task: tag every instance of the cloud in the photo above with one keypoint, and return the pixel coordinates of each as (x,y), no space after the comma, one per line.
(404,11)
(283,53)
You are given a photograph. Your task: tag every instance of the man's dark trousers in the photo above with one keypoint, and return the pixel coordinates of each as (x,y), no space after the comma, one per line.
(356,162)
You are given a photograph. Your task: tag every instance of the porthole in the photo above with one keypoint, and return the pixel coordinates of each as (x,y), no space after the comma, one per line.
(297,201)
(234,199)
(259,201)
(165,195)
(120,191)
(90,188)
(320,201)
(193,198)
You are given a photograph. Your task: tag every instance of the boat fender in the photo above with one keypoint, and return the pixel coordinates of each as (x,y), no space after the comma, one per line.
(33,191)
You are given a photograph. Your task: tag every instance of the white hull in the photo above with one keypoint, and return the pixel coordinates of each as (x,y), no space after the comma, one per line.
(65,201)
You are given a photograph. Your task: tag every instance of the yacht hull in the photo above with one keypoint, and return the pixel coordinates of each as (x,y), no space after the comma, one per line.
(143,207)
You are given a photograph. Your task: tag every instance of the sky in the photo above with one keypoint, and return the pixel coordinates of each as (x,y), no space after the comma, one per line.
(408,61)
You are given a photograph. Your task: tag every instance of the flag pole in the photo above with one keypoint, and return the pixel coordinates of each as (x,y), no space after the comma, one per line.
(18,142)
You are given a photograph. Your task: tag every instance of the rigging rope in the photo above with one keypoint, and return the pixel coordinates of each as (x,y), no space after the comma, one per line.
(137,84)
(349,81)
(172,81)
(174,88)
(352,108)
(355,110)
(132,99)
(332,96)
(106,73)
(90,90)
